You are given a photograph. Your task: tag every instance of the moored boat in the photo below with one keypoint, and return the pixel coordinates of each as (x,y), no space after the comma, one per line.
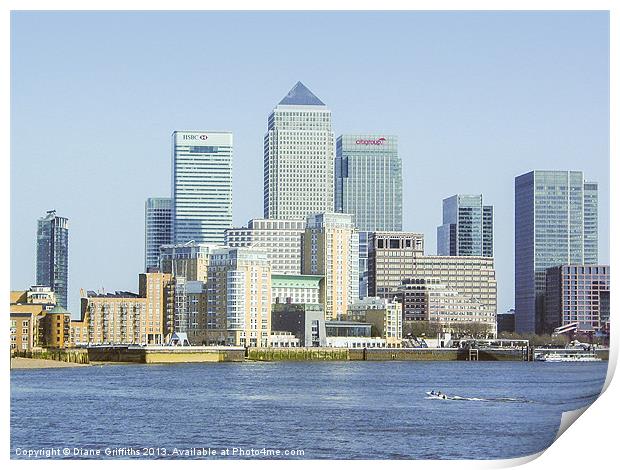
(572,356)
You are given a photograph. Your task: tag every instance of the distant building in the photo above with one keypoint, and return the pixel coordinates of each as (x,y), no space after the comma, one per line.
(114,318)
(157,289)
(24,331)
(389,255)
(157,229)
(190,311)
(395,257)
(355,342)
(189,260)
(41,295)
(349,334)
(282,339)
(125,317)
(305,321)
(27,309)
(556,223)
(369,181)
(79,332)
(506,321)
(385,317)
(330,249)
(590,222)
(55,327)
(348,328)
(239,291)
(281,239)
(467,228)
(297,289)
(577,294)
(430,299)
(201,186)
(298,157)
(369,186)
(53,255)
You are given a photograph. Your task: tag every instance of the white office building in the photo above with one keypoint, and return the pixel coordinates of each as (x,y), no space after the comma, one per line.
(299,157)
(280,239)
(201,185)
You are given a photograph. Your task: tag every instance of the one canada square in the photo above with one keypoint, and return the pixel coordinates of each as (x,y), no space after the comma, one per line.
(299,157)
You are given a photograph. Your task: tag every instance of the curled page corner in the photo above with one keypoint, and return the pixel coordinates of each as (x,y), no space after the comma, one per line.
(568,418)
(517,461)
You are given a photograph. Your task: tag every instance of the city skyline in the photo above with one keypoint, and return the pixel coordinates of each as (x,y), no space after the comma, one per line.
(425,156)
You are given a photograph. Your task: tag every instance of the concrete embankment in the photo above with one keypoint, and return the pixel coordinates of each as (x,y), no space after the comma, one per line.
(297,354)
(387,354)
(165,354)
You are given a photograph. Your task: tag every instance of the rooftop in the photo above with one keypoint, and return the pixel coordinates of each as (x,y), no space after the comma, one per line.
(116,294)
(300,95)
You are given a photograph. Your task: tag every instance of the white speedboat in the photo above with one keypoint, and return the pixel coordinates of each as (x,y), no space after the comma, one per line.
(576,356)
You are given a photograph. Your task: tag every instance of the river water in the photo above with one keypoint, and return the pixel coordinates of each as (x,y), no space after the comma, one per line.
(325,410)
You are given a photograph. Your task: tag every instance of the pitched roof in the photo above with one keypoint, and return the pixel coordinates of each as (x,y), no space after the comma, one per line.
(300,95)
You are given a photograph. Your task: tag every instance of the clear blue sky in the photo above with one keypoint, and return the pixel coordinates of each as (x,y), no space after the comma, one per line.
(475,98)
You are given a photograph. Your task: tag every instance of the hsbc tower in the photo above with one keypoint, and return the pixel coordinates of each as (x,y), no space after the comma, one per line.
(201,186)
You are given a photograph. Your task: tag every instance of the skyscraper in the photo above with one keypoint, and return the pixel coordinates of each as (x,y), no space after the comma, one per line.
(556,213)
(369,186)
(157,228)
(53,255)
(298,157)
(369,181)
(467,228)
(201,186)
(590,222)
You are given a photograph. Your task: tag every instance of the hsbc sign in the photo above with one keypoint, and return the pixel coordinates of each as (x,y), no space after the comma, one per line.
(203,138)
(379,141)
(194,136)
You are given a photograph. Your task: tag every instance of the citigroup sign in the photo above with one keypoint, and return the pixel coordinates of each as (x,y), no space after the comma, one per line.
(379,141)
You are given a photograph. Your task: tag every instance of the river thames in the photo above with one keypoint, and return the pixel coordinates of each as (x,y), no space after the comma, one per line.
(309,410)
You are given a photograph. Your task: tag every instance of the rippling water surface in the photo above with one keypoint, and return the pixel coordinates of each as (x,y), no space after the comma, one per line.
(335,410)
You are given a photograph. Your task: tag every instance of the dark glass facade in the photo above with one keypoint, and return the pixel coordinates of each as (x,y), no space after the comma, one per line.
(53,255)
(467,227)
(551,216)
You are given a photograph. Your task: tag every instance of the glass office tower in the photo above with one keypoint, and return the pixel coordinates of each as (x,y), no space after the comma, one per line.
(53,255)
(157,229)
(201,186)
(369,181)
(467,228)
(590,222)
(552,211)
(298,157)
(368,172)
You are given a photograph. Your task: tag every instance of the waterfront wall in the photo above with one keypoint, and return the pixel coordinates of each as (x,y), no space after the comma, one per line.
(77,356)
(376,354)
(187,354)
(165,354)
(297,354)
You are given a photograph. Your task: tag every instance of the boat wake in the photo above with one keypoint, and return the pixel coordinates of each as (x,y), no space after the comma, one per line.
(434,396)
